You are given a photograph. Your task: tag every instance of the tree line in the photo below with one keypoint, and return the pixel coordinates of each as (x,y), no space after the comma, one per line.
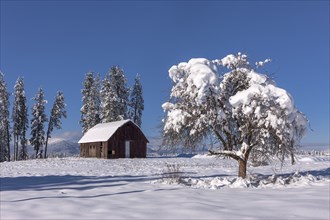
(17,126)
(110,99)
(103,101)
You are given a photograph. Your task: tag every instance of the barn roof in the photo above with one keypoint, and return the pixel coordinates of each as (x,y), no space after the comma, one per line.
(103,131)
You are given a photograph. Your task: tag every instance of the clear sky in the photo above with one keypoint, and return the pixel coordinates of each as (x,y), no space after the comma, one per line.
(53,44)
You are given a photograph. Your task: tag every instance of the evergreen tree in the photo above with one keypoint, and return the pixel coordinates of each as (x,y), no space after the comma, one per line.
(20,119)
(58,111)
(4,121)
(118,93)
(37,123)
(136,102)
(107,97)
(90,112)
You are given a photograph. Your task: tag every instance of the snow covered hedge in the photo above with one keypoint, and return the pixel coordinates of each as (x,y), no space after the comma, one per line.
(245,110)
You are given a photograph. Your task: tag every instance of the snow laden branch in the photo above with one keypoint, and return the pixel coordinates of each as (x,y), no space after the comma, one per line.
(244,110)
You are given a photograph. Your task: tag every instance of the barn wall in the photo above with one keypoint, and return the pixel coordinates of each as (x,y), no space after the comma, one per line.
(84,150)
(128,132)
(94,149)
(115,146)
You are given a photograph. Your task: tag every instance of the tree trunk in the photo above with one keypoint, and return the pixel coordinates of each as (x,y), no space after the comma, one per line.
(293,161)
(37,152)
(15,143)
(242,164)
(8,143)
(46,144)
(242,168)
(16,151)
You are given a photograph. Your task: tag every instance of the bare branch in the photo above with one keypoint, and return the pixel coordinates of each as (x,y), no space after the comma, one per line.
(225,153)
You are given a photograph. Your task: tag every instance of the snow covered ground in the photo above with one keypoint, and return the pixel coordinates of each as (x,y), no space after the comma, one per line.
(203,188)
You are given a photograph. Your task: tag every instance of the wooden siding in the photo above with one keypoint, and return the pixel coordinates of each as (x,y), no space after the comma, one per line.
(94,149)
(115,146)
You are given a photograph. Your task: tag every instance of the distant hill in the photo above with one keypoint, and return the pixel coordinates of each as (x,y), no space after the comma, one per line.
(62,147)
(58,147)
(67,145)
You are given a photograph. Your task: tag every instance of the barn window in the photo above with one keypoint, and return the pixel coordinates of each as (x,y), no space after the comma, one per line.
(101,143)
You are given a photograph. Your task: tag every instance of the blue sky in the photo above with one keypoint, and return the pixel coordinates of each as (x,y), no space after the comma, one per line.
(53,44)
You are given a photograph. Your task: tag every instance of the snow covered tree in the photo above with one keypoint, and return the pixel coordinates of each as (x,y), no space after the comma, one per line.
(107,97)
(90,110)
(38,120)
(118,95)
(243,109)
(58,111)
(4,121)
(192,103)
(136,102)
(20,120)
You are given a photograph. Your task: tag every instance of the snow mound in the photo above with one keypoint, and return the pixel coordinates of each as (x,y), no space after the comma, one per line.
(297,179)
(204,156)
(312,158)
(306,159)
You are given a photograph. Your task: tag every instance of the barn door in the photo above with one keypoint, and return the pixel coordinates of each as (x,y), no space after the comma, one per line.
(92,151)
(127,149)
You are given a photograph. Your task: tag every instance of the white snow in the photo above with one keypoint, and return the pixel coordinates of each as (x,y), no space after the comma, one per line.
(262,63)
(231,60)
(258,79)
(202,72)
(102,131)
(199,74)
(176,117)
(80,188)
(267,91)
(167,106)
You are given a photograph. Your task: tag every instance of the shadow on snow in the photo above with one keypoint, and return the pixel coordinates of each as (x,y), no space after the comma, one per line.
(41,183)
(317,173)
(62,185)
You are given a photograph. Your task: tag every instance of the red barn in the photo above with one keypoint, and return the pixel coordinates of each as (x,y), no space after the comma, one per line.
(118,139)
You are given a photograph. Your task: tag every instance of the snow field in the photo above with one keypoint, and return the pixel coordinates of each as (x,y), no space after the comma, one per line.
(77,188)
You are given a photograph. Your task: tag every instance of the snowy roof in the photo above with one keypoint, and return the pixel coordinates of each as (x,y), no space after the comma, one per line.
(102,131)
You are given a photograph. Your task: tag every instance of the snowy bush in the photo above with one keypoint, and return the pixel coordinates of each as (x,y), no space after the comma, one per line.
(172,173)
(256,181)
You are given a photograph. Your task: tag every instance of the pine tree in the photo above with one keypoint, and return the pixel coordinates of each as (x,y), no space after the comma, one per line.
(37,123)
(114,105)
(58,111)
(136,102)
(118,94)
(106,97)
(4,121)
(90,111)
(20,119)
